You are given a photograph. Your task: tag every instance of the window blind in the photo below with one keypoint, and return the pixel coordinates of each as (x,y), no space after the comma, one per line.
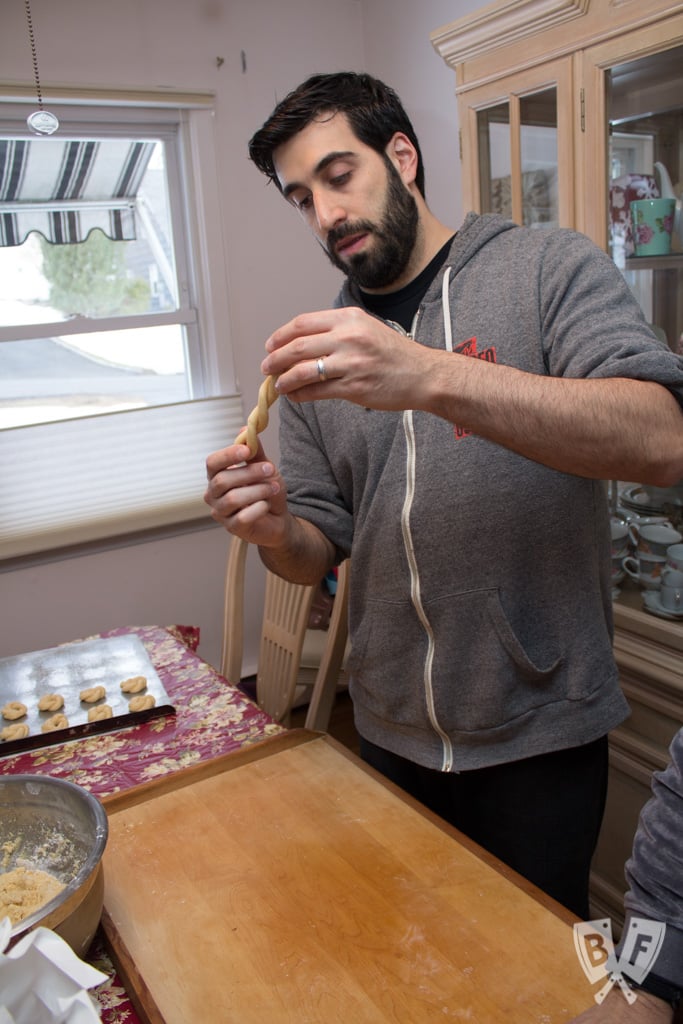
(81,480)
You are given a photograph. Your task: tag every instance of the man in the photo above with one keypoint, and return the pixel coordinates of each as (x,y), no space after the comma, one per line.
(449,424)
(655,877)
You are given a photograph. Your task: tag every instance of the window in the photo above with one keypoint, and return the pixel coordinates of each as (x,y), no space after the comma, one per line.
(108,364)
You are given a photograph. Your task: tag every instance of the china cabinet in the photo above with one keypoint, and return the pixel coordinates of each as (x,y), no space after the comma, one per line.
(565,107)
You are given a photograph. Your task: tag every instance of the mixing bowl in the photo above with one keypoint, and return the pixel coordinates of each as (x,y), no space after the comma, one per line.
(55,826)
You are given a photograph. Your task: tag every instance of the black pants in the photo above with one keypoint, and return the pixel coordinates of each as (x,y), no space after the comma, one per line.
(541,816)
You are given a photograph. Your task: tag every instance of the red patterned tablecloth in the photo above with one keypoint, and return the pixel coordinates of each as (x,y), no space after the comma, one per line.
(212,718)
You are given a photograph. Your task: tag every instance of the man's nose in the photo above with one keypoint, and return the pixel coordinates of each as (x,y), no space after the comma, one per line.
(329,213)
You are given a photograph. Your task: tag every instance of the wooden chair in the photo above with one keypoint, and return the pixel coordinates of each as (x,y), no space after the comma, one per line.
(285,618)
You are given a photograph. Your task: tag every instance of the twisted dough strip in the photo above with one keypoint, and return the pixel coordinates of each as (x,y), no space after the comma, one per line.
(258,417)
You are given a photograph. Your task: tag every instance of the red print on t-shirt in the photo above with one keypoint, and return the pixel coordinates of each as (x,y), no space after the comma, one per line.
(469,348)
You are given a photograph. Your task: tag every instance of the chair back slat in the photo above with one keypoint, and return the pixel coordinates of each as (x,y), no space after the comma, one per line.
(286,612)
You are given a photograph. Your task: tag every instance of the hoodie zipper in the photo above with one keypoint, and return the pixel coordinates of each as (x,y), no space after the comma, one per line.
(415,590)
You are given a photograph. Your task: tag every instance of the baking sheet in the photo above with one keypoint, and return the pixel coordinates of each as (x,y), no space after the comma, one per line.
(67,670)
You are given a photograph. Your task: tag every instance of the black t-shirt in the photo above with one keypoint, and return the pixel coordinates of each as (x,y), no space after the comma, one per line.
(402,305)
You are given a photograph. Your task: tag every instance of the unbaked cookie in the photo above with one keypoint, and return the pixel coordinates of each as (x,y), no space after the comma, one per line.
(142,703)
(99,713)
(134,685)
(92,694)
(51,702)
(15,709)
(18,731)
(55,723)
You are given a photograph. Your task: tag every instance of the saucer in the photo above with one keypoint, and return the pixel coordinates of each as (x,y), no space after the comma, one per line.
(653,603)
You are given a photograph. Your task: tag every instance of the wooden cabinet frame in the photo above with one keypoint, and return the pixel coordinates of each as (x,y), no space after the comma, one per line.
(501,53)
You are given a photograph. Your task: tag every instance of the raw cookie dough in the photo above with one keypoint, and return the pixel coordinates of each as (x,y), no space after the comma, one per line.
(134,685)
(51,702)
(142,703)
(18,731)
(24,890)
(92,694)
(99,713)
(55,723)
(15,709)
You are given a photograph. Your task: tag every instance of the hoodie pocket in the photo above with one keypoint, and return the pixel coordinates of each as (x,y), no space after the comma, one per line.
(485,674)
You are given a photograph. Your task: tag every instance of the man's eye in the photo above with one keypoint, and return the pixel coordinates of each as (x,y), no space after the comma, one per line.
(340,179)
(303,203)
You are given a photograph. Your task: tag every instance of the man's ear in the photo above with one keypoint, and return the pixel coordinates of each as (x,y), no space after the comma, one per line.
(403,156)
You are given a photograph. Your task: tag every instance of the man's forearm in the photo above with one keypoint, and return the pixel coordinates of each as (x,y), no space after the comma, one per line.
(305,556)
(604,429)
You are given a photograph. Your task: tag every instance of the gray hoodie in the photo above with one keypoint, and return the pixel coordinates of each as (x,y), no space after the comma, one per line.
(480,614)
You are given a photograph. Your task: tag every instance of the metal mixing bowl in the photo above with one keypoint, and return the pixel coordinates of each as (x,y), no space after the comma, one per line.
(52,825)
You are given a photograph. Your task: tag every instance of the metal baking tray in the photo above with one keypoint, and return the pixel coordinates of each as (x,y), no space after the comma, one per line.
(69,669)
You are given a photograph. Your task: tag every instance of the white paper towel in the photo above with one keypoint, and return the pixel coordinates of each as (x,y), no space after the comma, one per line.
(42,981)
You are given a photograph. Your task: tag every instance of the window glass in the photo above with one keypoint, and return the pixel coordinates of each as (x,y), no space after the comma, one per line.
(90,315)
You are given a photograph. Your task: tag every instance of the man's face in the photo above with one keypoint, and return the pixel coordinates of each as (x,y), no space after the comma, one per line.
(353,199)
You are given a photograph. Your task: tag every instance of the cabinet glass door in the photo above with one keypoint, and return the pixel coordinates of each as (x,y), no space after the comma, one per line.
(634,153)
(645,117)
(521,162)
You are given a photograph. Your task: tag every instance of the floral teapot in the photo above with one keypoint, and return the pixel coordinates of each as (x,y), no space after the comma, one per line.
(622,192)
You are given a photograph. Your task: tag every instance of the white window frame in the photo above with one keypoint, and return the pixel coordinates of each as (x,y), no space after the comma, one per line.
(154,444)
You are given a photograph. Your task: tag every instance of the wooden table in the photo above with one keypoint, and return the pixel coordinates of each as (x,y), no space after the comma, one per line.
(337,898)
(289,883)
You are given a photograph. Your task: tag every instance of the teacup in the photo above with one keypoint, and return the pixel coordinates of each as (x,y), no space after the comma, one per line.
(617,568)
(653,539)
(674,557)
(645,569)
(620,538)
(671,590)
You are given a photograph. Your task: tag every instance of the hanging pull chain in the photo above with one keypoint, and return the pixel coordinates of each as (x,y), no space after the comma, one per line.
(41,121)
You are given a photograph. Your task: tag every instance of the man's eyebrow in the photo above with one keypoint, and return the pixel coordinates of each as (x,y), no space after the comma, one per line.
(328,159)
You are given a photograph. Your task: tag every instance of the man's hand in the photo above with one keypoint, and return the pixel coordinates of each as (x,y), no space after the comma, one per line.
(248,498)
(365,361)
(647,1009)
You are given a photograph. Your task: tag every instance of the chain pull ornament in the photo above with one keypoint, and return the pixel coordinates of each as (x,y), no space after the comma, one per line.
(41,121)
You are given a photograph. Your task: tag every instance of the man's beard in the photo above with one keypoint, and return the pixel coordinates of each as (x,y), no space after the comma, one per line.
(394,236)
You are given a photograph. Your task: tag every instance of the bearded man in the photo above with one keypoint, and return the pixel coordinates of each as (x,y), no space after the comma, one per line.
(448,425)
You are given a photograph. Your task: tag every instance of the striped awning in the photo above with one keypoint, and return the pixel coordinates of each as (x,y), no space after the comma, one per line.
(64,189)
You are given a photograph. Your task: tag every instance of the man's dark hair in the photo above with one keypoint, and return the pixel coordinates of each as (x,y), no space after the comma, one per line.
(373,109)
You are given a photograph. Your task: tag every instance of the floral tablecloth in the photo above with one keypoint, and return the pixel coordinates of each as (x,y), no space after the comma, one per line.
(212,718)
